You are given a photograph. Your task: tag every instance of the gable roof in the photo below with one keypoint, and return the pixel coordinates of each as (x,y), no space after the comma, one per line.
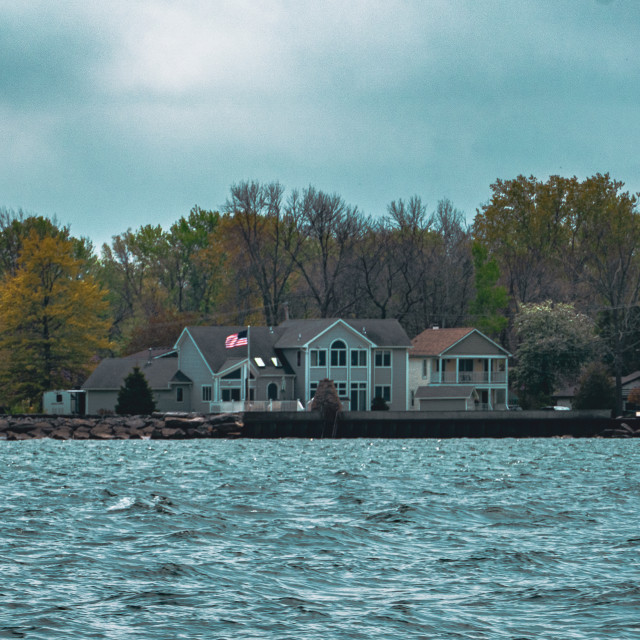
(111,372)
(435,342)
(210,342)
(380,332)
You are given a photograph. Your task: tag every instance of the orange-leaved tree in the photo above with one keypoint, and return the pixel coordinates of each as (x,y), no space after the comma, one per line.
(54,318)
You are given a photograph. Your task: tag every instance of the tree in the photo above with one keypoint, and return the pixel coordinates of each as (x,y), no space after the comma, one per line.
(595,389)
(135,395)
(53,321)
(268,233)
(491,299)
(524,228)
(554,342)
(330,229)
(607,231)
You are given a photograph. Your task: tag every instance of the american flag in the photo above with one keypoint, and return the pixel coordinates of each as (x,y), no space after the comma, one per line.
(236,340)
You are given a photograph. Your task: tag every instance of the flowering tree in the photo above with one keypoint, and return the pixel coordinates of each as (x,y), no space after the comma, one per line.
(554,342)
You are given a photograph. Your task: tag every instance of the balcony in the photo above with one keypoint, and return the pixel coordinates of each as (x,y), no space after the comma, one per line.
(470,377)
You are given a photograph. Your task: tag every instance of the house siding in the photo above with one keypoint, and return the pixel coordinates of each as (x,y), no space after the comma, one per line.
(189,359)
(474,345)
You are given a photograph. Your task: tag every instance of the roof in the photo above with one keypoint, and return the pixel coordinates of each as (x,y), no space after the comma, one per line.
(435,342)
(432,342)
(381,332)
(210,341)
(445,392)
(111,372)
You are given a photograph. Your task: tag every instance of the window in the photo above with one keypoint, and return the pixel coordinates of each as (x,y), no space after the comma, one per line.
(425,368)
(58,398)
(341,388)
(276,362)
(358,396)
(260,361)
(206,393)
(383,391)
(299,357)
(313,387)
(358,357)
(272,391)
(465,368)
(338,354)
(383,359)
(179,394)
(318,357)
(230,394)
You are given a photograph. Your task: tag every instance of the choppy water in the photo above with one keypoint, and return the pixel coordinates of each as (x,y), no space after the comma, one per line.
(320,539)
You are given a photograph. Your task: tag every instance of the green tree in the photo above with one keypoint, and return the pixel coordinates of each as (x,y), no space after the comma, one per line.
(607,232)
(595,389)
(53,321)
(491,299)
(135,395)
(554,342)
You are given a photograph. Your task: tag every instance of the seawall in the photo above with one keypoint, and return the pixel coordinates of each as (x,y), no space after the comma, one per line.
(406,424)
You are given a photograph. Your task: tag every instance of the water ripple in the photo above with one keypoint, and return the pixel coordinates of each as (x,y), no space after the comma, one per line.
(486,539)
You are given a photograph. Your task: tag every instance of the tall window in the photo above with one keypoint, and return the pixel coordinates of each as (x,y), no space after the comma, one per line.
(358,357)
(206,393)
(338,354)
(272,391)
(383,358)
(179,394)
(358,396)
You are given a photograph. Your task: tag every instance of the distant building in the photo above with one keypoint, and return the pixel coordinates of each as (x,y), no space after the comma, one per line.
(280,367)
(457,370)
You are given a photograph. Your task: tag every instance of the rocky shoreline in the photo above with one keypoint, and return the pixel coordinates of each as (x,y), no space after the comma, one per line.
(153,427)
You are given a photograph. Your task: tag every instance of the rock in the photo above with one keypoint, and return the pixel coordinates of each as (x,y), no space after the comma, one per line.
(61,433)
(169,433)
(178,422)
(101,432)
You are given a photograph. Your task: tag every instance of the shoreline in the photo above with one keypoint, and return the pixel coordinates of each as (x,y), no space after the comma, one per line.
(172,426)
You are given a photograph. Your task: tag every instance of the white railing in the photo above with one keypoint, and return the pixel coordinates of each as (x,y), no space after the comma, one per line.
(470,377)
(238,406)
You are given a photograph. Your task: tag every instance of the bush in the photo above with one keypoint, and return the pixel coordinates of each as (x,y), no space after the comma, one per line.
(595,389)
(135,395)
(379,404)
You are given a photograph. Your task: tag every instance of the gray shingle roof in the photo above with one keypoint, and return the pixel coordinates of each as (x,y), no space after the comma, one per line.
(111,372)
(211,343)
(383,333)
(444,392)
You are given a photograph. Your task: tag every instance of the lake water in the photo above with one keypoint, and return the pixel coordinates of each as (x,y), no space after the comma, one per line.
(299,539)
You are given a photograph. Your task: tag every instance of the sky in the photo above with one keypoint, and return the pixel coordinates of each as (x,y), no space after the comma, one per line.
(119,114)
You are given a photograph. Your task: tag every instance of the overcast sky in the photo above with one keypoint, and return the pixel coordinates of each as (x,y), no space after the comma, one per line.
(122,113)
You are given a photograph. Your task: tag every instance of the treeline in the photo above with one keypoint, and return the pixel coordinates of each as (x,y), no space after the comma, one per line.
(308,253)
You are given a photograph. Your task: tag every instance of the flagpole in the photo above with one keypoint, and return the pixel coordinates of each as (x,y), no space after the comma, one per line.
(248,391)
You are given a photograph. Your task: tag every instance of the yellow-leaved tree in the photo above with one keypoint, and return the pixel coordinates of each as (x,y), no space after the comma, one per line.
(54,318)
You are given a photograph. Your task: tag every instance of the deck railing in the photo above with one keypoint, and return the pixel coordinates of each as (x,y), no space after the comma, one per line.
(470,377)
(239,406)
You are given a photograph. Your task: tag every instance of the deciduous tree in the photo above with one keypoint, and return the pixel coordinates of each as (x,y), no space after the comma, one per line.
(53,321)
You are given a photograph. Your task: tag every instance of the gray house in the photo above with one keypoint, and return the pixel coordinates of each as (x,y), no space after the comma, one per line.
(209,369)
(160,368)
(457,369)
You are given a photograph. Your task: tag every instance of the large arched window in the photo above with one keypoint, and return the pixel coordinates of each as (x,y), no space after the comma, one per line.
(338,354)
(272,391)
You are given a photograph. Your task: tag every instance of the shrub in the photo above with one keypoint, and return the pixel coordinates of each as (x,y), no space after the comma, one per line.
(135,395)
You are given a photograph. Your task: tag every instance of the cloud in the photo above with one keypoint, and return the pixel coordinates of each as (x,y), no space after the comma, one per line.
(118,113)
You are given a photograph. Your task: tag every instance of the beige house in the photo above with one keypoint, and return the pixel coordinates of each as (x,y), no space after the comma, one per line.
(457,370)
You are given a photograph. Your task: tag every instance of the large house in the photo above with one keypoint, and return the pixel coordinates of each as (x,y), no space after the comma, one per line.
(457,369)
(211,368)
